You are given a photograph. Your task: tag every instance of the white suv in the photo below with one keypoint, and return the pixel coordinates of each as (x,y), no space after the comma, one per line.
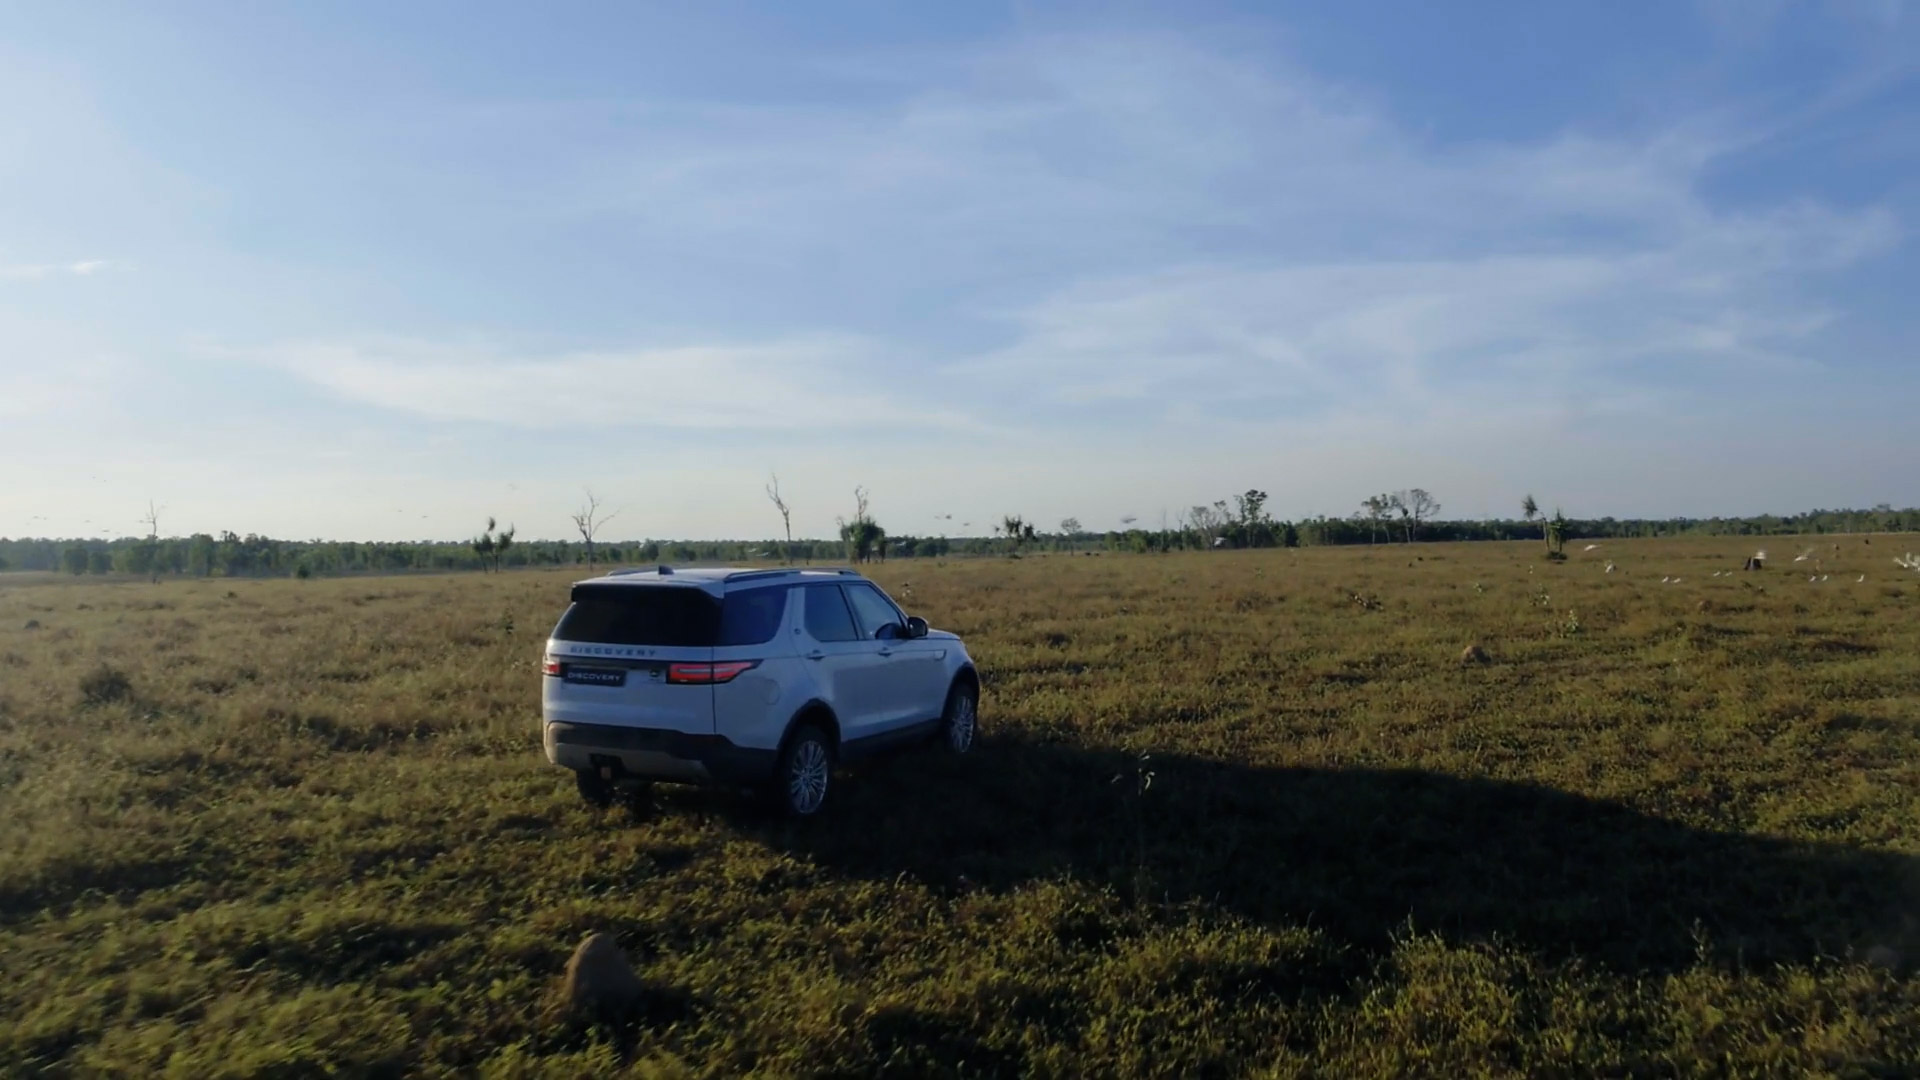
(751,678)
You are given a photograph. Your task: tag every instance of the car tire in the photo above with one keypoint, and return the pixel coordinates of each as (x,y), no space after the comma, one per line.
(594,790)
(804,777)
(960,720)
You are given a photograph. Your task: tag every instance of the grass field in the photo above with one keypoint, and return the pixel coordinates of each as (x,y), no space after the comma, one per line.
(1242,813)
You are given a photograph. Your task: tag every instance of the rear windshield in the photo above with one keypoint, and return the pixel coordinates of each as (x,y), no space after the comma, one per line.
(676,617)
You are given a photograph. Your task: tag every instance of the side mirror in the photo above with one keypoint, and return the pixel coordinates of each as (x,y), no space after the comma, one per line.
(916,626)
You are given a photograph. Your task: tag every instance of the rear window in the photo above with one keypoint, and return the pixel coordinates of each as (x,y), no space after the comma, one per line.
(669,616)
(664,615)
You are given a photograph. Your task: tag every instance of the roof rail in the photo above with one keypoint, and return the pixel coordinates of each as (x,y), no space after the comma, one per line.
(749,575)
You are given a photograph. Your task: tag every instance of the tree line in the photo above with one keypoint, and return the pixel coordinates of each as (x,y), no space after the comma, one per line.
(1239,522)
(232,555)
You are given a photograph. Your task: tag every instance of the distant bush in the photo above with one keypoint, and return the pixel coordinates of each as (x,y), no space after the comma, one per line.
(104,684)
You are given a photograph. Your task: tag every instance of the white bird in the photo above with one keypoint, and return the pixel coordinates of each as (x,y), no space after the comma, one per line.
(1804,556)
(1589,547)
(1824,577)
(1676,581)
(1813,577)
(1664,580)
(1609,568)
(1863,578)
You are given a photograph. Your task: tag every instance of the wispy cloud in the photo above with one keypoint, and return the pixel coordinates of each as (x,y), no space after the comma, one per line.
(1130,145)
(37,271)
(810,384)
(1194,234)
(1629,326)
(1200,240)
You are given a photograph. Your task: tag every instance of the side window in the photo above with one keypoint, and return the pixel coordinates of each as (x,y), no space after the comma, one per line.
(751,617)
(827,617)
(876,612)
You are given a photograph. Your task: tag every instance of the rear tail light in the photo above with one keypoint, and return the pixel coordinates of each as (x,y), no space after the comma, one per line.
(724,671)
(551,666)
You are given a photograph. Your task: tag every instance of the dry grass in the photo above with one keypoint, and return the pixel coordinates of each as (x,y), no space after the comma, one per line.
(1234,813)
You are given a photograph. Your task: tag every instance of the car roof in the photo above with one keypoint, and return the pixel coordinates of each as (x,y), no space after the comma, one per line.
(717,578)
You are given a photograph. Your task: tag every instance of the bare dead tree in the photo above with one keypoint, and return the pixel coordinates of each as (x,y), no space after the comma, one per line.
(1205,523)
(1423,507)
(152,520)
(786,514)
(589,521)
(1414,507)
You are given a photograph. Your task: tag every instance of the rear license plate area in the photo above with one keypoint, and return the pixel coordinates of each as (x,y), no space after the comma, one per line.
(595,676)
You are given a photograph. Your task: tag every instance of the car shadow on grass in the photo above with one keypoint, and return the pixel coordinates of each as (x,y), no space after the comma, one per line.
(1362,854)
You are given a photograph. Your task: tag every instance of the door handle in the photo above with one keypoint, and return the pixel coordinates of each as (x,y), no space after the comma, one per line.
(886,652)
(817,654)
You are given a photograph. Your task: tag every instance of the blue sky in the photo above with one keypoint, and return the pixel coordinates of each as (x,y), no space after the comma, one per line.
(380,271)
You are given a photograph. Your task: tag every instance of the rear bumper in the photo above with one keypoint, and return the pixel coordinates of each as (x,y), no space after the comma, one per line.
(655,754)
